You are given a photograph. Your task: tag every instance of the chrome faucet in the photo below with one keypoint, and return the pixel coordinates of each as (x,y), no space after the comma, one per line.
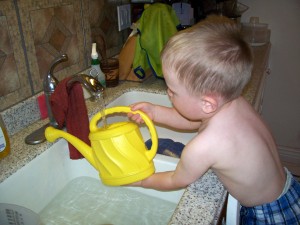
(50,83)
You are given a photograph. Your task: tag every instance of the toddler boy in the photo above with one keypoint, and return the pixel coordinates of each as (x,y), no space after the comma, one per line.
(206,68)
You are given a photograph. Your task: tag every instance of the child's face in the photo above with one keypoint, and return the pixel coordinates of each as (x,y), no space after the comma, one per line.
(186,104)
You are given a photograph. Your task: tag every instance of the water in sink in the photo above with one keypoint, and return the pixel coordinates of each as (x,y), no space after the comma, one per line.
(85,200)
(38,183)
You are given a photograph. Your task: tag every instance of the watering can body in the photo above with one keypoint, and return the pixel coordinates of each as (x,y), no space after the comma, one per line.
(117,150)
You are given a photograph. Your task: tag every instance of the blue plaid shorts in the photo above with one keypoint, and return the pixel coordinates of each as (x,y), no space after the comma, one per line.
(283,211)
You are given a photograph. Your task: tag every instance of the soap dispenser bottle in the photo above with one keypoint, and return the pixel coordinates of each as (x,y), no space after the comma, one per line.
(95,64)
(4,141)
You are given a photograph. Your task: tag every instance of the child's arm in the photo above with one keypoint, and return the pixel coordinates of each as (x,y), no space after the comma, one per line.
(192,165)
(163,115)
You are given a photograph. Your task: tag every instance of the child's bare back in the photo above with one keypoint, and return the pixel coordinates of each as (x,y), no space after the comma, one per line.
(244,154)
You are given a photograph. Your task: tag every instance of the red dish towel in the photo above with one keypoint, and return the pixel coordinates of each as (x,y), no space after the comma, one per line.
(68,107)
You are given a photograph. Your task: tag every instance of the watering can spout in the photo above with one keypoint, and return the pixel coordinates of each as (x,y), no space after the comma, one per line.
(52,134)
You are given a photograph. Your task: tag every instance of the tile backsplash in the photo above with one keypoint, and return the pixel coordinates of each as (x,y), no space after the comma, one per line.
(34,32)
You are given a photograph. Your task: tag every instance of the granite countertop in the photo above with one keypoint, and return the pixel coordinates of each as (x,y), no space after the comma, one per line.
(202,201)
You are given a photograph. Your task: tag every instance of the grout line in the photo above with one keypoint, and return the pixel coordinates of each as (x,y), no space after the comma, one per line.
(24,46)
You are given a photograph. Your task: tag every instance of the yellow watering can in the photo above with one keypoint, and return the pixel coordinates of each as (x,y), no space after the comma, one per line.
(117,150)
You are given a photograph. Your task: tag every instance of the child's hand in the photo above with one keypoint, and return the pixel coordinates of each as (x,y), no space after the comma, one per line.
(145,107)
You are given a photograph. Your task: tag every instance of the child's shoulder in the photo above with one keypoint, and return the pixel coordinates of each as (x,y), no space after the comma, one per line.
(207,141)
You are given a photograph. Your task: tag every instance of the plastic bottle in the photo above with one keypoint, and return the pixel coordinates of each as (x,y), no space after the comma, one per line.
(4,141)
(95,64)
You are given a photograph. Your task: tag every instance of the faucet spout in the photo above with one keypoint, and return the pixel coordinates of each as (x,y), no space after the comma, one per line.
(92,85)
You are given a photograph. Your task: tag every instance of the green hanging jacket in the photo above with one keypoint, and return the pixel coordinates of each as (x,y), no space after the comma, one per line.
(156,25)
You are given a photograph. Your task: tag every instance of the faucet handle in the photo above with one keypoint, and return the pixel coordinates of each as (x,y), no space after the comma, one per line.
(49,85)
(61,58)
(50,82)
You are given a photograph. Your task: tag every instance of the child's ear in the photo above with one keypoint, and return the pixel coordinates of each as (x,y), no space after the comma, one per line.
(209,104)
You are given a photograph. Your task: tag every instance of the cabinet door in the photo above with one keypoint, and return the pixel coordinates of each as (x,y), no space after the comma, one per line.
(260,93)
(290,158)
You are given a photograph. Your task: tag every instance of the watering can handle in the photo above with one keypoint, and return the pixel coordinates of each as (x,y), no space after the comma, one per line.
(125,109)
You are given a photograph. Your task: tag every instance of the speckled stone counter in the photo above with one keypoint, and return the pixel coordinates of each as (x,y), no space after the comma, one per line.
(202,201)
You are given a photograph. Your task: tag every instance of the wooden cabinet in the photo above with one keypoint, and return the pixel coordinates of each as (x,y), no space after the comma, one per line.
(260,92)
(290,158)
(254,91)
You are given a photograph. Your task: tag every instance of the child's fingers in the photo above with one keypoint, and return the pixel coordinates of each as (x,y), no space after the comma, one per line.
(137,106)
(135,117)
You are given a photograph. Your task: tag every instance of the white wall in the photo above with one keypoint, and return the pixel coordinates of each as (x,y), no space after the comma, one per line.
(281,107)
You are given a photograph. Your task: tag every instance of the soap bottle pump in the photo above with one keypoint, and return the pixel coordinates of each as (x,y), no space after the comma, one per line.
(95,64)
(4,141)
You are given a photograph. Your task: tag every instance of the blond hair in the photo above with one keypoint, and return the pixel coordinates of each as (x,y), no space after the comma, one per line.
(210,58)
